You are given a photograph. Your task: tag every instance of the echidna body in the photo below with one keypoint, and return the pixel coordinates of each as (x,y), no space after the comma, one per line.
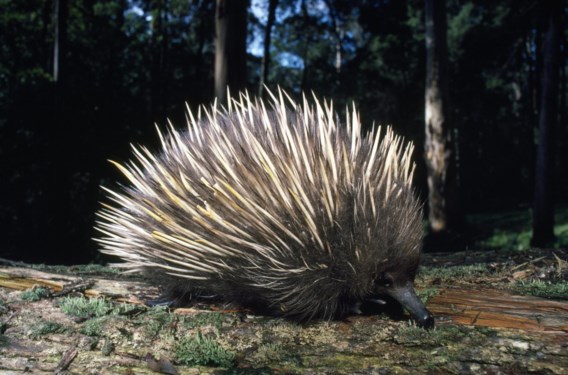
(275,205)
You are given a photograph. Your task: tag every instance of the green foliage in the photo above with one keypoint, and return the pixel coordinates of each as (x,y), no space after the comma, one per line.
(561,232)
(144,59)
(467,17)
(504,239)
(35,294)
(128,309)
(94,327)
(157,318)
(214,319)
(511,230)
(46,327)
(202,351)
(426,294)
(97,312)
(86,308)
(544,289)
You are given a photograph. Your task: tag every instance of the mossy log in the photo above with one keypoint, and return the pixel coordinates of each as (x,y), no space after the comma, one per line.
(478,330)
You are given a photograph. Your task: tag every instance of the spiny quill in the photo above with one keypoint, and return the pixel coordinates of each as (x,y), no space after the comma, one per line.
(275,205)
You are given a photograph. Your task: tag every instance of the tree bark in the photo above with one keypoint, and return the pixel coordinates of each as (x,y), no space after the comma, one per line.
(339,34)
(439,154)
(266,53)
(543,213)
(230,47)
(58,178)
(59,43)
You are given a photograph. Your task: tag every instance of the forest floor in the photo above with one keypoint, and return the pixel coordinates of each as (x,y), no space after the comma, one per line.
(500,312)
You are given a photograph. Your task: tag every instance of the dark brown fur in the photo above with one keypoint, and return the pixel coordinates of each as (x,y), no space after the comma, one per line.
(231,209)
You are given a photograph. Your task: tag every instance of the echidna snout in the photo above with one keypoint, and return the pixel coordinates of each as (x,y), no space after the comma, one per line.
(274,204)
(403,292)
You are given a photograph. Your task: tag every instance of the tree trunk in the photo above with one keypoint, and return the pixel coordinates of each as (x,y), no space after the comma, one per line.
(59,43)
(439,154)
(339,34)
(266,54)
(58,223)
(543,214)
(230,47)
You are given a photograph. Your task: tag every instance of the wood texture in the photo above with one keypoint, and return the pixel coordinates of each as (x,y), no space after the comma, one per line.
(476,307)
(500,309)
(528,334)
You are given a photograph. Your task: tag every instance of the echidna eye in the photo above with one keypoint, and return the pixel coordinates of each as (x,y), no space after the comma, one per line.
(385,280)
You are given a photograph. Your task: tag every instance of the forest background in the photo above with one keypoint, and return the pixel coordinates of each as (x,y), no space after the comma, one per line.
(80,80)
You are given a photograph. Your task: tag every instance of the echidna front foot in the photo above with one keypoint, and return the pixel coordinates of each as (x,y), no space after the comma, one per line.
(160,302)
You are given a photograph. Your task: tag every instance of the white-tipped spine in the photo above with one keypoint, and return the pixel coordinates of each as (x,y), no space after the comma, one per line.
(236,177)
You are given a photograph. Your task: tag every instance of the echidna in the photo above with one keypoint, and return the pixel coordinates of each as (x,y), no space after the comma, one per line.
(283,208)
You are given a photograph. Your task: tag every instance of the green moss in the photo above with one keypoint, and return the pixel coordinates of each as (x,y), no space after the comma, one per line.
(86,308)
(93,269)
(445,274)
(214,319)
(200,350)
(269,353)
(426,293)
(249,371)
(157,318)
(433,350)
(46,327)
(81,269)
(411,335)
(96,311)
(108,347)
(35,294)
(486,331)
(544,289)
(128,309)
(93,327)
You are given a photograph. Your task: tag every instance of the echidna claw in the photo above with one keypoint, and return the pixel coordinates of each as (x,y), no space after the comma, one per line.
(159,302)
(378,301)
(356,308)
